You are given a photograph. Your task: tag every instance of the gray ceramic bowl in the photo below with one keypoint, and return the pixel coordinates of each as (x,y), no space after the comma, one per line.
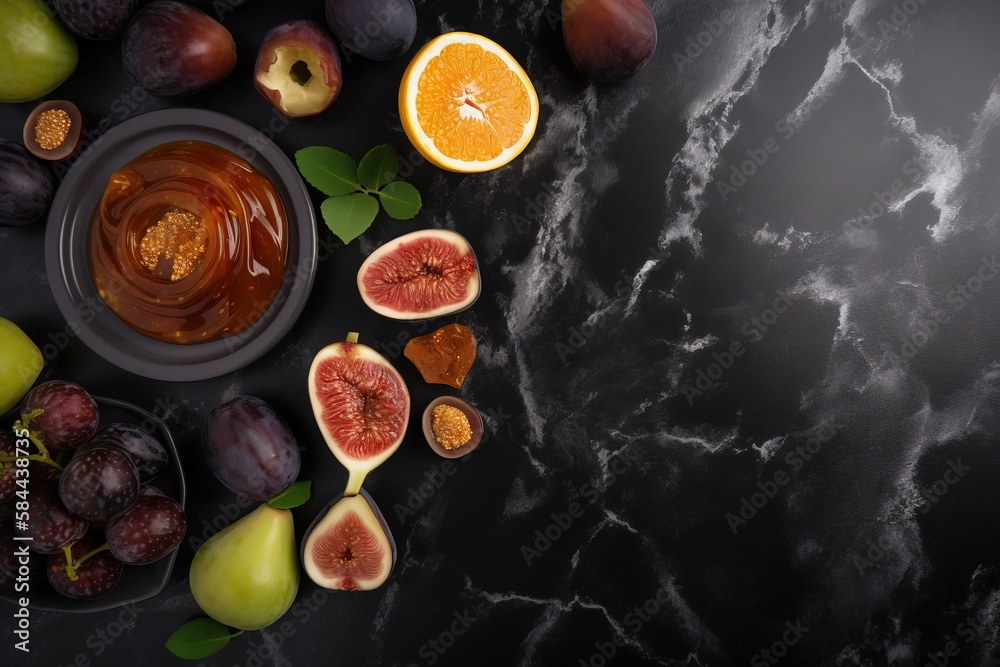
(66,247)
(138,582)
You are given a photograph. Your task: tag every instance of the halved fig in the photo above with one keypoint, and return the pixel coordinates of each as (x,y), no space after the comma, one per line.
(361,404)
(349,547)
(420,275)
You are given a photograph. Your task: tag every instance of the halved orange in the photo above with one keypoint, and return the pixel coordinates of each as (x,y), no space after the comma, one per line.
(466,104)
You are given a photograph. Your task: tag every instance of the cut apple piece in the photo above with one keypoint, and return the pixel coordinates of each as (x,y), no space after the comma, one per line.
(298,69)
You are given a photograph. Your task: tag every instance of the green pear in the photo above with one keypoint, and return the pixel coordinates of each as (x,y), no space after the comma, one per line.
(247,576)
(20,363)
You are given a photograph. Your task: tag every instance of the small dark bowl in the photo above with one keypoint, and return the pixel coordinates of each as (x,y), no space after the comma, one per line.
(66,148)
(138,582)
(475,421)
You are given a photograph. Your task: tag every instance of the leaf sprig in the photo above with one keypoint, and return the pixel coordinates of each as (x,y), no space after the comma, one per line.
(354,189)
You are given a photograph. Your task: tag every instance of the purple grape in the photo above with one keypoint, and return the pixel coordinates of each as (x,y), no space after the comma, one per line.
(148,531)
(99,483)
(49,525)
(146,452)
(96,576)
(69,414)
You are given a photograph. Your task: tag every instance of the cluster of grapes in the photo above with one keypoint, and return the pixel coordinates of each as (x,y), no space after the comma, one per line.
(87,504)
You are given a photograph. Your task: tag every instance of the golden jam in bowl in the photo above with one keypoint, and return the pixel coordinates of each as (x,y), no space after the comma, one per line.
(189,243)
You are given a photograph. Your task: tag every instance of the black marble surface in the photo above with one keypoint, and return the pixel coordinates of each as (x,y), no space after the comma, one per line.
(737,354)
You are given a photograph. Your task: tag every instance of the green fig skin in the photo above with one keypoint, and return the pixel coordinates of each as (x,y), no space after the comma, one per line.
(247,575)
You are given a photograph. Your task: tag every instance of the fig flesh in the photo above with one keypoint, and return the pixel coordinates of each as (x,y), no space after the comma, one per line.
(361,404)
(349,546)
(424,274)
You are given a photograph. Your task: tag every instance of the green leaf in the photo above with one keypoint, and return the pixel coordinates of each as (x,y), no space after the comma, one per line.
(295,495)
(400,200)
(378,167)
(199,639)
(330,171)
(349,216)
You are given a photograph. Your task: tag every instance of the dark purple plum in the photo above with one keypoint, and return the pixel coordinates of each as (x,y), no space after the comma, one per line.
(608,40)
(375,29)
(171,49)
(250,449)
(96,576)
(147,531)
(26,186)
(146,452)
(15,563)
(69,414)
(95,19)
(8,469)
(50,525)
(99,483)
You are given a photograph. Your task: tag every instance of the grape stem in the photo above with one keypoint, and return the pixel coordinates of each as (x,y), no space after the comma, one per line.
(72,566)
(24,424)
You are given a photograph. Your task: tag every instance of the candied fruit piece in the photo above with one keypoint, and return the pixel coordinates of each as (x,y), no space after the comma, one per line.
(444,356)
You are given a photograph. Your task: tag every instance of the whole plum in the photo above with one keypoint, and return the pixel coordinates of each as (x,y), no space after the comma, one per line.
(171,49)
(375,29)
(95,19)
(250,449)
(26,186)
(608,40)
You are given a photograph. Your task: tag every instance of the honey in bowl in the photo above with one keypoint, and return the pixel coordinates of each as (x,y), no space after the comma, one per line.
(189,243)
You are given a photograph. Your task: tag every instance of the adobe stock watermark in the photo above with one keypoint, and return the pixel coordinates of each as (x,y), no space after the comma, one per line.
(436,477)
(635,620)
(711,30)
(276,635)
(579,336)
(752,331)
(878,549)
(787,127)
(887,200)
(364,34)
(795,460)
(535,206)
(958,298)
(563,521)
(779,649)
(103,637)
(972,627)
(901,14)
(432,650)
(225,7)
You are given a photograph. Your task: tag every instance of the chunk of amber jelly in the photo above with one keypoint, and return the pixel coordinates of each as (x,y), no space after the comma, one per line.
(445,356)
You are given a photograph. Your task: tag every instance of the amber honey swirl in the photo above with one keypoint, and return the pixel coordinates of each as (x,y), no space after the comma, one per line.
(189,243)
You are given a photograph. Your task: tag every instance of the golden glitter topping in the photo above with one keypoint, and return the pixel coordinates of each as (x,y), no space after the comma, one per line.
(52,128)
(174,246)
(450,426)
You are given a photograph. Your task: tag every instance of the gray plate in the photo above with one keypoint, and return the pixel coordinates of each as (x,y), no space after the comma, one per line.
(66,247)
(138,582)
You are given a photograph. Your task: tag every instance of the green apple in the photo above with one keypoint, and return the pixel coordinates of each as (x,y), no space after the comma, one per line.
(247,575)
(20,363)
(37,51)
